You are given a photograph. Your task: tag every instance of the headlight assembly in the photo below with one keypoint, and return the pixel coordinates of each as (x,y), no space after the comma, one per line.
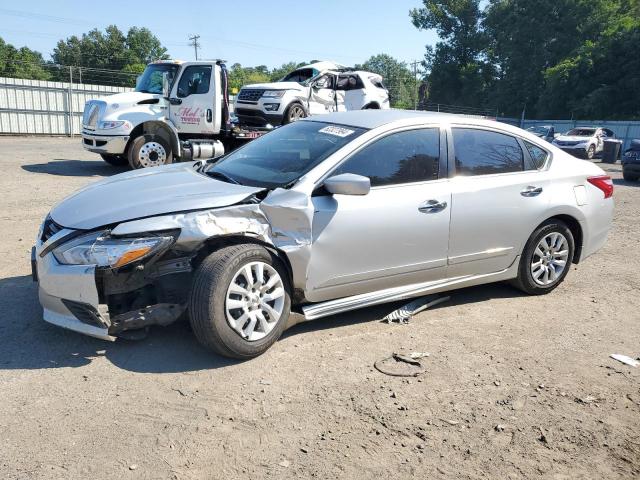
(99,249)
(273,93)
(109,125)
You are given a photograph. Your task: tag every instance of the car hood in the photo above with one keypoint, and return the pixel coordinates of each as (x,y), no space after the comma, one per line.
(146,193)
(276,86)
(127,99)
(572,138)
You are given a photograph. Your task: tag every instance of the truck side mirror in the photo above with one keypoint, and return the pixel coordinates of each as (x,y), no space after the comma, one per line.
(165,84)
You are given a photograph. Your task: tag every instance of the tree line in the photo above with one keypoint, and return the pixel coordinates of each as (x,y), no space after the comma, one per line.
(548,58)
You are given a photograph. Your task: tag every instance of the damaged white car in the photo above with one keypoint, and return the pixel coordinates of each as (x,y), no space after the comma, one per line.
(321,87)
(319,217)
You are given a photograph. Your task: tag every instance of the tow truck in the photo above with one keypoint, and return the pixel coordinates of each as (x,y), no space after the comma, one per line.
(179,111)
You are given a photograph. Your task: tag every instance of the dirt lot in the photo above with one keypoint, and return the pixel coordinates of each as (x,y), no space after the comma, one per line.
(313,406)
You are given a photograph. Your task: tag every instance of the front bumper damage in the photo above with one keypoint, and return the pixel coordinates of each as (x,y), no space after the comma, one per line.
(103,302)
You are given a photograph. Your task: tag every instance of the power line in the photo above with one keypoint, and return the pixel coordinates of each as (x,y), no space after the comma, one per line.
(195,44)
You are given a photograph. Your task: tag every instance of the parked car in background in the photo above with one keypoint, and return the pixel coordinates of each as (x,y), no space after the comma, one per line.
(320,87)
(631,162)
(325,215)
(584,142)
(545,132)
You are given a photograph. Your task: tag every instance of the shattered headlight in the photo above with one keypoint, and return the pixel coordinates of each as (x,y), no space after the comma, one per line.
(99,249)
(273,93)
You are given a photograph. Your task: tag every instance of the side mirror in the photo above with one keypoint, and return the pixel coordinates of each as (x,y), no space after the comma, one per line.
(165,84)
(348,184)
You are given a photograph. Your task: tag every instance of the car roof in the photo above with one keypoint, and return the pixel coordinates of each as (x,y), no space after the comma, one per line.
(371,118)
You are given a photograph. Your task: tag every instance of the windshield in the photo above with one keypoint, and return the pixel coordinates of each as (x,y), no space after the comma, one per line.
(151,79)
(581,132)
(282,156)
(302,75)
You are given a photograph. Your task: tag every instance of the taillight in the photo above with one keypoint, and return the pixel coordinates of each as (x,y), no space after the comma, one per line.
(604,183)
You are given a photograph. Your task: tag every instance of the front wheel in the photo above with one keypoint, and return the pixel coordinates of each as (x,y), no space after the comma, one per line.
(115,160)
(294,112)
(546,258)
(240,302)
(149,151)
(591,152)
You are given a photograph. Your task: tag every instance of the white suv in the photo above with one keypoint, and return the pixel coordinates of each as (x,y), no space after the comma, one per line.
(584,142)
(320,87)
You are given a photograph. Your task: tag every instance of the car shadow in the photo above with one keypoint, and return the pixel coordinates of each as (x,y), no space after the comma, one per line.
(75,168)
(29,343)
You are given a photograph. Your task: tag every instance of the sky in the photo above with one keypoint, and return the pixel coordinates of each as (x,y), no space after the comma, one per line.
(249,32)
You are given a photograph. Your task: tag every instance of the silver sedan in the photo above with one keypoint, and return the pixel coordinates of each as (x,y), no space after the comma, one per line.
(319,217)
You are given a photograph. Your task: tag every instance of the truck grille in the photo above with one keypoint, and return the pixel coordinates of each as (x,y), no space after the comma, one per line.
(250,94)
(91,114)
(49,229)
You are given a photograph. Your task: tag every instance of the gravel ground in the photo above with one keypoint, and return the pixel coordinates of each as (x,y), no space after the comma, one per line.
(515,386)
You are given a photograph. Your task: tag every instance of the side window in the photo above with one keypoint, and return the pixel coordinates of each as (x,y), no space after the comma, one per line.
(482,152)
(194,80)
(325,81)
(538,156)
(349,82)
(404,157)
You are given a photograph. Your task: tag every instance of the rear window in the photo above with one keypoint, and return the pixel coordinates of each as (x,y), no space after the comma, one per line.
(483,152)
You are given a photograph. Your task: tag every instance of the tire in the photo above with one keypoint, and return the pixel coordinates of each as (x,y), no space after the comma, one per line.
(526,271)
(149,151)
(371,106)
(115,160)
(629,177)
(591,152)
(209,311)
(294,112)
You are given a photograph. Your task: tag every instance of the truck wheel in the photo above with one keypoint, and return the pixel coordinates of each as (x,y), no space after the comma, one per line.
(149,151)
(115,160)
(294,112)
(239,302)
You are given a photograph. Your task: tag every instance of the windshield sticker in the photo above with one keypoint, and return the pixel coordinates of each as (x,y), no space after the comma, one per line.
(337,131)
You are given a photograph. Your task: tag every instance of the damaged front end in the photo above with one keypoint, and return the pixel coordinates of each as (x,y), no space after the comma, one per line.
(141,270)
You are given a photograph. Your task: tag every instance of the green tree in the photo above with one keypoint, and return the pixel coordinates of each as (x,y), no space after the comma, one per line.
(398,79)
(111,50)
(21,63)
(458,70)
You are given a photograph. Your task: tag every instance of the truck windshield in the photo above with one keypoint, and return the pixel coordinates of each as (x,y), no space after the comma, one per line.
(151,79)
(283,155)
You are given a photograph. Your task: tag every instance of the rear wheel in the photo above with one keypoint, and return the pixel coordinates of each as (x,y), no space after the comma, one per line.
(115,160)
(240,303)
(149,151)
(294,112)
(546,258)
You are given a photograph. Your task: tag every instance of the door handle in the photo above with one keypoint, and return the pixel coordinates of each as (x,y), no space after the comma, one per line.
(209,115)
(531,191)
(432,206)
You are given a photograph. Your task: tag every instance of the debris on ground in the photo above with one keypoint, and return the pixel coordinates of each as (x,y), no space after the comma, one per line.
(587,400)
(404,313)
(418,355)
(499,428)
(400,365)
(632,362)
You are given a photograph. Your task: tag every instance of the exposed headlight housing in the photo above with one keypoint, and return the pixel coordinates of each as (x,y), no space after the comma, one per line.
(273,93)
(98,248)
(110,124)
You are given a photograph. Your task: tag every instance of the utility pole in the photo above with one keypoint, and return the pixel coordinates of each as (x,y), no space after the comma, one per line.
(414,64)
(195,44)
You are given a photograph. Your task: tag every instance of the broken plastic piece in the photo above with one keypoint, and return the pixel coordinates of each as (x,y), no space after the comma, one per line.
(624,359)
(404,313)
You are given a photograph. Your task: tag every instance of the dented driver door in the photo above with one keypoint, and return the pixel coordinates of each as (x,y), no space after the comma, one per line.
(322,95)
(191,105)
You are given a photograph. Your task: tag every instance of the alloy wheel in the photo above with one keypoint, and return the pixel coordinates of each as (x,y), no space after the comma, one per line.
(296,113)
(550,259)
(255,300)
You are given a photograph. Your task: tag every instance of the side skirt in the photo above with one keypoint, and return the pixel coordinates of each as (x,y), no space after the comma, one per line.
(333,307)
